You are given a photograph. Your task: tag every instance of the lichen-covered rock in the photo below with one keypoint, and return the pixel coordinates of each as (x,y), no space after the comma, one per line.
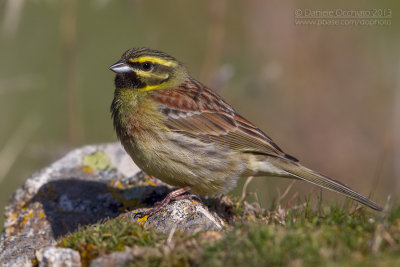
(122,258)
(58,257)
(87,185)
(185,215)
(22,261)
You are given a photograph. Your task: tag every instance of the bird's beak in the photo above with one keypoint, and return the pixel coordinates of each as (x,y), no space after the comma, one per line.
(120,67)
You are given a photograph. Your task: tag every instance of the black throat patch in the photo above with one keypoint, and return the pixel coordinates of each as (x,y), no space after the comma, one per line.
(128,80)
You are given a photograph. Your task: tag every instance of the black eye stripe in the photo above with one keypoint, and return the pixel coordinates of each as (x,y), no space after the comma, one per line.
(155,66)
(140,65)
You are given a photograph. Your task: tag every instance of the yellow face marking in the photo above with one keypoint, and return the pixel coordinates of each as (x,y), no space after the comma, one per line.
(157,60)
(151,87)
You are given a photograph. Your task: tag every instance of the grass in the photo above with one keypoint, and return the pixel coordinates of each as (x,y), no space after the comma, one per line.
(109,236)
(299,236)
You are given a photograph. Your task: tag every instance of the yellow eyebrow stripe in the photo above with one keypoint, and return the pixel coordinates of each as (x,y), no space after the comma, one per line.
(157,60)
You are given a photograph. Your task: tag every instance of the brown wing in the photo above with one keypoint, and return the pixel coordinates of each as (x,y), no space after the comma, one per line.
(196,111)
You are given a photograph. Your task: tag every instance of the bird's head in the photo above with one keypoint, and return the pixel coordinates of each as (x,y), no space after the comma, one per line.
(146,70)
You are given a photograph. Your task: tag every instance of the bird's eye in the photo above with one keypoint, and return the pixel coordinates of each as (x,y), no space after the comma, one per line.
(147,66)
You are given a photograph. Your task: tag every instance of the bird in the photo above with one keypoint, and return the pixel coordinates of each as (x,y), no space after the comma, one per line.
(185,134)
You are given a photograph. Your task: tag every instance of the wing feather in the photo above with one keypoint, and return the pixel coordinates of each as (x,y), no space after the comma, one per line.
(194,110)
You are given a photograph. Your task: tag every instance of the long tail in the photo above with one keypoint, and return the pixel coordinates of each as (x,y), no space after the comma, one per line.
(296,170)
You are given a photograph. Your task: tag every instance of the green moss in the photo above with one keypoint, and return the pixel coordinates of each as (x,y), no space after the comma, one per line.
(327,235)
(109,236)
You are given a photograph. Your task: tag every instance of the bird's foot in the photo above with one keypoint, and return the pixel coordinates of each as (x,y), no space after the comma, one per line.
(188,196)
(174,195)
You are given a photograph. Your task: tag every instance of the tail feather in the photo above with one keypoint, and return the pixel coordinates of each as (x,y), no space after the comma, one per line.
(305,174)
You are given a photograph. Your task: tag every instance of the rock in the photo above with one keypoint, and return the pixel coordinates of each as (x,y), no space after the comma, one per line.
(116,259)
(22,261)
(87,185)
(120,259)
(186,215)
(58,257)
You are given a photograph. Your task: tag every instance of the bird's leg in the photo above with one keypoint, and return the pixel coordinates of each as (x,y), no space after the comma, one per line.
(176,194)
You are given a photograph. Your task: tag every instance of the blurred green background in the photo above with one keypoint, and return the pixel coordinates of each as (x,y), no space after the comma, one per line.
(328,95)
